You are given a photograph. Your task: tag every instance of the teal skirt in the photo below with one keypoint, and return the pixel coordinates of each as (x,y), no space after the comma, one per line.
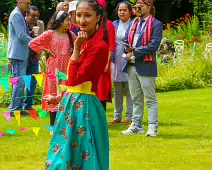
(80,140)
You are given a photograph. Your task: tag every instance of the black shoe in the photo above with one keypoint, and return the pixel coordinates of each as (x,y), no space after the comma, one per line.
(12,114)
(23,113)
(31,108)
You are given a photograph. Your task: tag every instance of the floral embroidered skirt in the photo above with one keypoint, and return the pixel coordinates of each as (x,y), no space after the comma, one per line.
(80,140)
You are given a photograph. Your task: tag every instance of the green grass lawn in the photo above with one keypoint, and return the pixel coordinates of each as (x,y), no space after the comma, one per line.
(184,141)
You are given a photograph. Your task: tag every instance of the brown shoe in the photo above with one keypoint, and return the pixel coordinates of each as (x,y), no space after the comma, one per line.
(127,122)
(115,122)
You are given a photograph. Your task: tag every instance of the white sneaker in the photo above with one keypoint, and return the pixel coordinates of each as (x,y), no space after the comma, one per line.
(152,131)
(133,130)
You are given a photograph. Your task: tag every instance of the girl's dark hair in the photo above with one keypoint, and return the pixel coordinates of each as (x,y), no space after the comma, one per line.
(100,11)
(55,24)
(115,12)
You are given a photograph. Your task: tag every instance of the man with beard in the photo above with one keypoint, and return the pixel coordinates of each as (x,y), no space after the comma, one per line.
(32,17)
(142,42)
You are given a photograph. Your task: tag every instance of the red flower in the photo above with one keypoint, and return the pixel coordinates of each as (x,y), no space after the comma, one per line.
(164,25)
(181,25)
(181,19)
(172,22)
(5,23)
(182,37)
(194,38)
(5,18)
(187,15)
(102,3)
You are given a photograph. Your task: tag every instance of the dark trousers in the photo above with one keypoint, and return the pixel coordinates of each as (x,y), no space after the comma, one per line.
(52,117)
(32,68)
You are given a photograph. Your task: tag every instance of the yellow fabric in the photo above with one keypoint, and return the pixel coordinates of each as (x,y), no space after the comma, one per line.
(36,130)
(18,116)
(39,78)
(84,88)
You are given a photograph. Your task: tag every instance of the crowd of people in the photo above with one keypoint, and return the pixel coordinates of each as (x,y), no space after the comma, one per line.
(94,52)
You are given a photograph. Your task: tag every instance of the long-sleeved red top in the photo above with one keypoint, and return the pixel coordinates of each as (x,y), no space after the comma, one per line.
(91,63)
(111,35)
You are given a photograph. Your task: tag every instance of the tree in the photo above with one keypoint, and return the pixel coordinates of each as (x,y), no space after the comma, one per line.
(8,5)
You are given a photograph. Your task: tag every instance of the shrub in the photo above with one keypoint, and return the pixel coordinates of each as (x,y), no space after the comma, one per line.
(191,70)
(186,29)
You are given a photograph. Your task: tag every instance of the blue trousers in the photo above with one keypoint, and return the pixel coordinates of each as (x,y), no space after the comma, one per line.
(32,68)
(18,69)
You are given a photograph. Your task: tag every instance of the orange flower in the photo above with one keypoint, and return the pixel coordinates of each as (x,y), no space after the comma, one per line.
(181,25)
(186,20)
(181,19)
(194,38)
(182,37)
(187,15)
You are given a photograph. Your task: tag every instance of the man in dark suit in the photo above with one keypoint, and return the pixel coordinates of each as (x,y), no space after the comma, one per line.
(142,41)
(32,18)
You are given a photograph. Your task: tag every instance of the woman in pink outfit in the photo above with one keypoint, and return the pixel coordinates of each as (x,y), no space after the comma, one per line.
(58,43)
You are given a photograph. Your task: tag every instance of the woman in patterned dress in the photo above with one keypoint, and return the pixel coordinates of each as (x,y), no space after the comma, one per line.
(58,42)
(80,140)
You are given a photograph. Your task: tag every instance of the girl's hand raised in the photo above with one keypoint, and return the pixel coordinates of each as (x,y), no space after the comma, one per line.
(82,37)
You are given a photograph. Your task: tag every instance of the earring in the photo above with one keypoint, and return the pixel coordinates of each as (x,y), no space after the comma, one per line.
(97,27)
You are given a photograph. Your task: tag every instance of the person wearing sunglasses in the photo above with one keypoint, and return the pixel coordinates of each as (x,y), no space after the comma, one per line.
(32,18)
(142,42)
(18,51)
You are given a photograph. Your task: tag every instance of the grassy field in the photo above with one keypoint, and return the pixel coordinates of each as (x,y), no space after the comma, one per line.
(184,141)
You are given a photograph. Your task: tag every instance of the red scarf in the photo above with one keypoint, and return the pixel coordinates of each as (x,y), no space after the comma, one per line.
(146,36)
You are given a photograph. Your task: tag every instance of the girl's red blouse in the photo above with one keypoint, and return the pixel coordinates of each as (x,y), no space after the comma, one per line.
(91,63)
